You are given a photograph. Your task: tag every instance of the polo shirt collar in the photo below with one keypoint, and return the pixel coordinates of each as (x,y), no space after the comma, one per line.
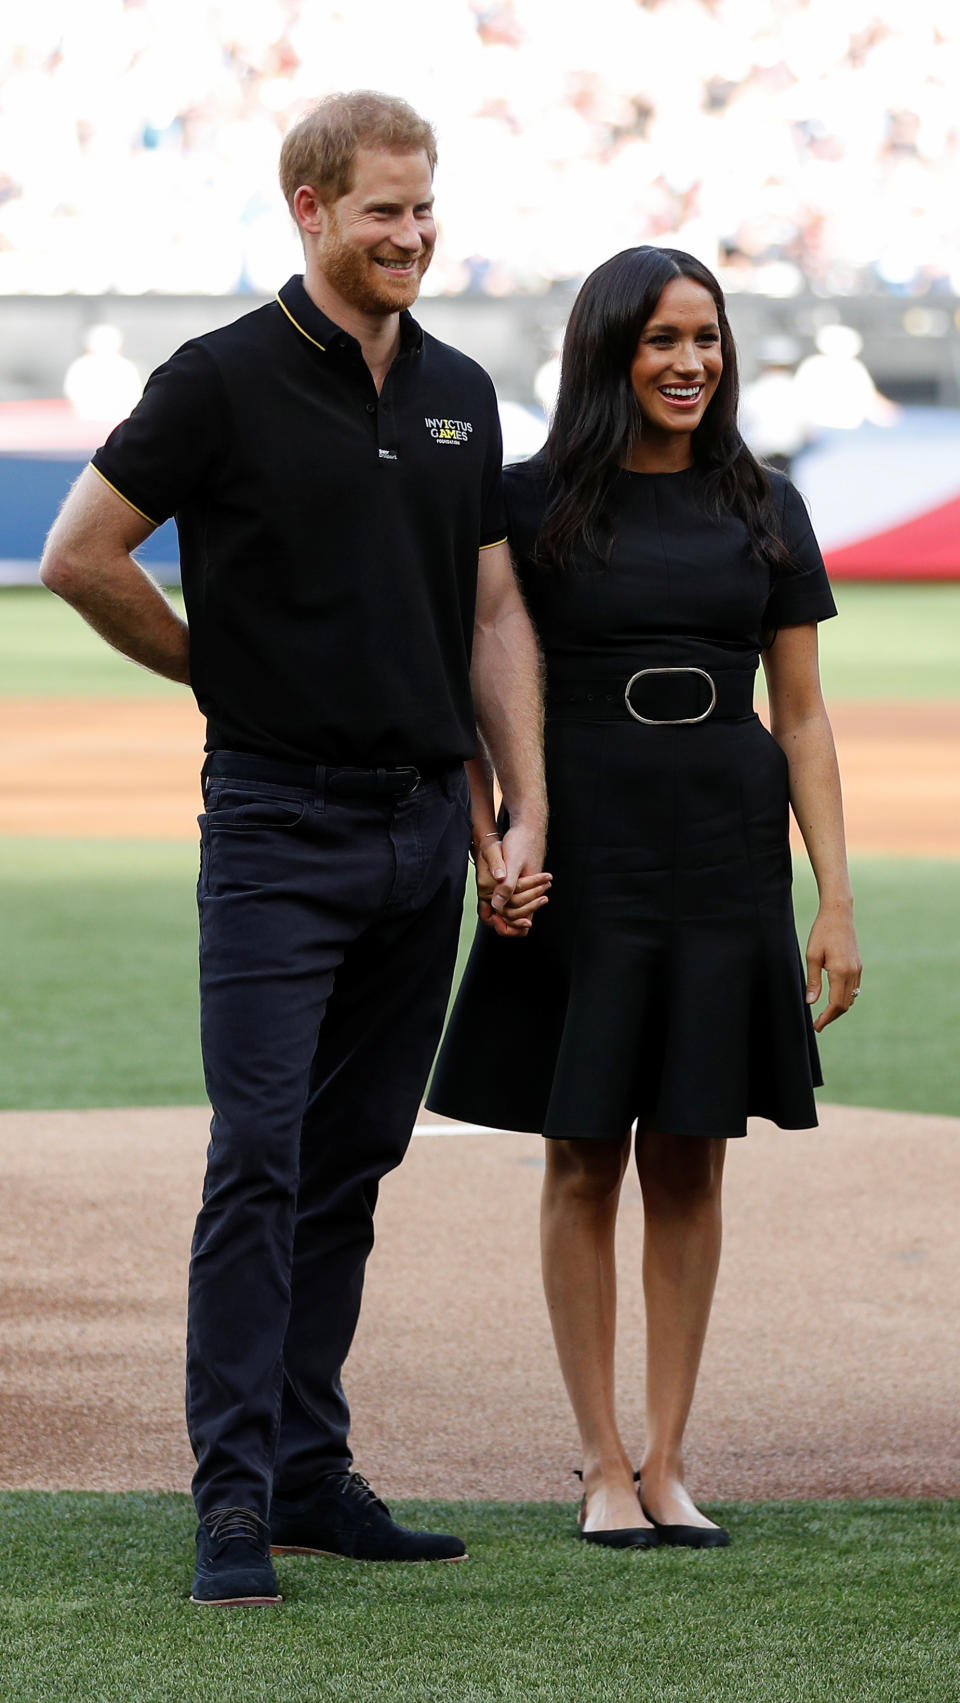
(322,332)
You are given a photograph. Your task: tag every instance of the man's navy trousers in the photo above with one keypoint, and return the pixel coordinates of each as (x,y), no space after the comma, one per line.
(329,904)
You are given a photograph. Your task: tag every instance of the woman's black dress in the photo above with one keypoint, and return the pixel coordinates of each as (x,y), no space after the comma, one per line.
(663,981)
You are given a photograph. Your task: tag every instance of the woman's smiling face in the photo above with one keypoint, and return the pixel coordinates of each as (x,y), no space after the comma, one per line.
(678,361)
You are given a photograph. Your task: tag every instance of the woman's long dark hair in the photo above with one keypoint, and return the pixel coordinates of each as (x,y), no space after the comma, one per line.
(597,418)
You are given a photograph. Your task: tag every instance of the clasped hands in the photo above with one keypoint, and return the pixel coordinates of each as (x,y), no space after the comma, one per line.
(508,894)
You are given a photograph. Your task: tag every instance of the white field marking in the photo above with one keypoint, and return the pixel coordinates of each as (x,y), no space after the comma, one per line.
(457,1129)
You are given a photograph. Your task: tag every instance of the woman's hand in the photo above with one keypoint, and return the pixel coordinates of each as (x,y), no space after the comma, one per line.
(513,919)
(833,947)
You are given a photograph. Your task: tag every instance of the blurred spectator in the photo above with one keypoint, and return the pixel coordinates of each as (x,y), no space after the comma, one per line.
(546,379)
(102,384)
(834,388)
(524,432)
(773,417)
(794,144)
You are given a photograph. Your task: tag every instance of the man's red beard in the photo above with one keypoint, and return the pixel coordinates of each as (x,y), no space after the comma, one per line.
(355,276)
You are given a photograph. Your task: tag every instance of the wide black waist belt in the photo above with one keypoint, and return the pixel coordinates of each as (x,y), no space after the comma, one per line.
(395,782)
(657,696)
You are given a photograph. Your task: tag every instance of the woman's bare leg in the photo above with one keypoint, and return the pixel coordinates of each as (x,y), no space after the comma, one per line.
(581,1192)
(681,1179)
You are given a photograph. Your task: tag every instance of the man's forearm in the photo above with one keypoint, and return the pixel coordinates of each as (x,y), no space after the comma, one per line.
(128,609)
(508,697)
(87,562)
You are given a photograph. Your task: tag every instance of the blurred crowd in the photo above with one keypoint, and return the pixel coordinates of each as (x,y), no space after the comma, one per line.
(792,144)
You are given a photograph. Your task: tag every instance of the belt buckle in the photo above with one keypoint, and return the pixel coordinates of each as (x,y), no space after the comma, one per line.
(671,721)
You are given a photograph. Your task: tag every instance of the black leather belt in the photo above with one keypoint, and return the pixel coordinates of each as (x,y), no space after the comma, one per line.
(657,696)
(396,782)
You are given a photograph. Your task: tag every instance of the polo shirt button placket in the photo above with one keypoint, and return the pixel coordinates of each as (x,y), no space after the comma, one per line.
(385,429)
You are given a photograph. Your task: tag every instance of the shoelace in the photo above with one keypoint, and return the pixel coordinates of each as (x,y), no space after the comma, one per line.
(226,1523)
(357,1486)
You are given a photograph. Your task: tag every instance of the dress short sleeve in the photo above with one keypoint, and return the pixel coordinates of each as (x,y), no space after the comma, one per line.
(159,457)
(525,495)
(493,519)
(801,591)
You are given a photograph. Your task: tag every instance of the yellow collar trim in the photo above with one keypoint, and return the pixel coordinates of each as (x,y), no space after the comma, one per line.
(303,333)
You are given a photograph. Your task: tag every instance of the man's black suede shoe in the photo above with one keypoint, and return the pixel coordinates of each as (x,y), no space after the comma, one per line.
(340,1515)
(234,1569)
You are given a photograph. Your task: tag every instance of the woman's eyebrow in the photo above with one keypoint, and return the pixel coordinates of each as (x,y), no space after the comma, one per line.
(661,325)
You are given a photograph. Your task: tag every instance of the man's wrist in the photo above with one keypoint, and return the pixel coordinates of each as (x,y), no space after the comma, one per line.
(528,821)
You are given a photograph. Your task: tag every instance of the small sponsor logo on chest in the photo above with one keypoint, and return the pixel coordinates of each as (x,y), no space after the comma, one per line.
(448,431)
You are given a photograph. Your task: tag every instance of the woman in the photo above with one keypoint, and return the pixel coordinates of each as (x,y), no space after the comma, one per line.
(663,984)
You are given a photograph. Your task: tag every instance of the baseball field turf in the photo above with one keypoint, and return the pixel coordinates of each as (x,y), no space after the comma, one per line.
(816,1601)
(115,916)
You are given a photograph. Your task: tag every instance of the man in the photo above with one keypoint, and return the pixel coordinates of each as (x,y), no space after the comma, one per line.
(335,476)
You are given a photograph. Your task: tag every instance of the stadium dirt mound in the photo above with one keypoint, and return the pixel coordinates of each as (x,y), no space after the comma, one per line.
(831,1369)
(127,768)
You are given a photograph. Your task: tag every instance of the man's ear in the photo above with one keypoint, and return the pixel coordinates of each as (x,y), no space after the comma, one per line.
(309,211)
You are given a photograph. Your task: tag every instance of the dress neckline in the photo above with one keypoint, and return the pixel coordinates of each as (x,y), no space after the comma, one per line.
(637,473)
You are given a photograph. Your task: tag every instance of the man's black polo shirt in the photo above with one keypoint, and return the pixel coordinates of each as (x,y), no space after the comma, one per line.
(328,536)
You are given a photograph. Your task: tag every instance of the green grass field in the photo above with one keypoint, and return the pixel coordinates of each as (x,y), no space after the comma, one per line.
(47,651)
(813,1603)
(98,998)
(117,920)
(891,641)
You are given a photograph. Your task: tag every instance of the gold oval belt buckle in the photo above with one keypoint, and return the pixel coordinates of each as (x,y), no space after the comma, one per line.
(671,721)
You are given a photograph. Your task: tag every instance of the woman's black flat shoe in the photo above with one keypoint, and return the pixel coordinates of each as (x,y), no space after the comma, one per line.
(690,1537)
(629,1537)
(686,1537)
(624,1537)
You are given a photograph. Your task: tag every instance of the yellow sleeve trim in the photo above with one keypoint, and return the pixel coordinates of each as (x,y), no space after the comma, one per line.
(303,333)
(493,546)
(123,499)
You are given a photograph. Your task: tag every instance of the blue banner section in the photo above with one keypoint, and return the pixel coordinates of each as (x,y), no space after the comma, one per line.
(32,487)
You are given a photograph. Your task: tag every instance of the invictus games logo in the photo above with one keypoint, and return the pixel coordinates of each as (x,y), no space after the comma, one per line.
(449,431)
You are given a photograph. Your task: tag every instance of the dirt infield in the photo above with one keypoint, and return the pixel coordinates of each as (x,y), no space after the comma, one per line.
(128,768)
(831,1368)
